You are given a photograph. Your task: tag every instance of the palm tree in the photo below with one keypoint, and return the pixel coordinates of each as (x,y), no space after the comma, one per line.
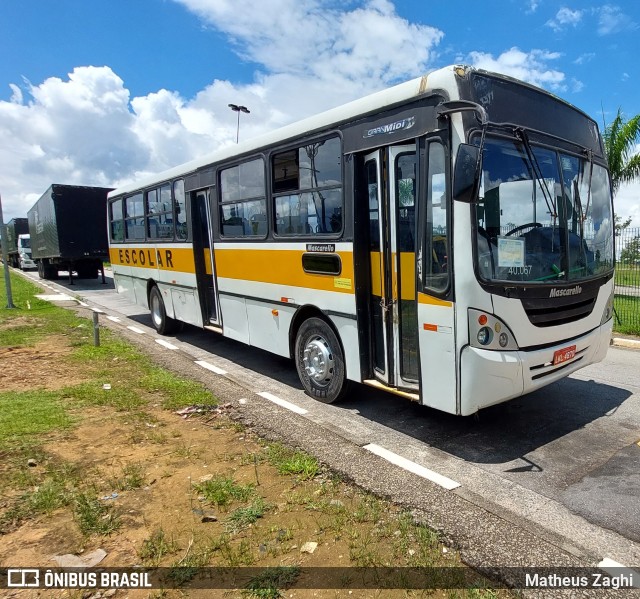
(620,139)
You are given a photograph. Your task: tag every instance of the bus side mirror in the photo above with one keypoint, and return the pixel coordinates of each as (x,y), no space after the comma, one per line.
(466,176)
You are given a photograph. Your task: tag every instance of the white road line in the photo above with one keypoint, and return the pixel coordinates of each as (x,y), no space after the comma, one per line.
(616,569)
(56,297)
(114,318)
(398,460)
(282,402)
(97,310)
(210,367)
(165,344)
(87,305)
(136,330)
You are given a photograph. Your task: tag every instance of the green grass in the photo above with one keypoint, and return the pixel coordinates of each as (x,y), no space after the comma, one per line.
(268,584)
(94,516)
(628,276)
(177,392)
(223,490)
(29,414)
(156,547)
(626,319)
(244,516)
(292,461)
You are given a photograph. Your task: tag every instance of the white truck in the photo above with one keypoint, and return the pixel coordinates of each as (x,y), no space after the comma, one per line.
(19,244)
(25,262)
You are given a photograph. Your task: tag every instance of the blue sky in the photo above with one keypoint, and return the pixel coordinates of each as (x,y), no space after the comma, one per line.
(99,93)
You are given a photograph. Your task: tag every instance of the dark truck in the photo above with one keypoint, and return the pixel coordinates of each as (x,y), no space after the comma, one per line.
(68,227)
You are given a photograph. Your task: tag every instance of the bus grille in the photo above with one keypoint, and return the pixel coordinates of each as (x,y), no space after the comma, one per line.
(546,312)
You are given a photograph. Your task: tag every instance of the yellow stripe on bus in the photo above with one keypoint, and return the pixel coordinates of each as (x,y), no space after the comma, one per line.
(423,298)
(281,267)
(172,259)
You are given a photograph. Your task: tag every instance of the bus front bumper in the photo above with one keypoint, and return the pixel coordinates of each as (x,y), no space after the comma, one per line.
(491,377)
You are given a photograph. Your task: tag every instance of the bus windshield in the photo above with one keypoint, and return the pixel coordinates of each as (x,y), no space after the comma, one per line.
(542,216)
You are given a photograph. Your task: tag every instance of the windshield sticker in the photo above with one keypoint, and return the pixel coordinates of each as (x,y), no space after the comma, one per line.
(391,127)
(510,253)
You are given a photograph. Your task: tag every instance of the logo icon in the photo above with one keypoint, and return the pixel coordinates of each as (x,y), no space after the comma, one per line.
(23,577)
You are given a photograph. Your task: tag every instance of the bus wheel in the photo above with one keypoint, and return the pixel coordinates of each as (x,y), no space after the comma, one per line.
(162,323)
(319,361)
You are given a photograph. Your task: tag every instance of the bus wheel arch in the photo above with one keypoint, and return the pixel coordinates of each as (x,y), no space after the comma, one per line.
(164,324)
(319,356)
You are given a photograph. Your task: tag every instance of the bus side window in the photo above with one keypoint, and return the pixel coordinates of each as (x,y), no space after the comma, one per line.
(134,217)
(243,203)
(115,217)
(307,189)
(435,262)
(179,209)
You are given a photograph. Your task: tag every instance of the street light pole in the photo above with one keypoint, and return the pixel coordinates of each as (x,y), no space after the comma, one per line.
(238,109)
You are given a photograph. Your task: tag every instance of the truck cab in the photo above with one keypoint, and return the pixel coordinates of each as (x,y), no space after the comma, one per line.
(25,261)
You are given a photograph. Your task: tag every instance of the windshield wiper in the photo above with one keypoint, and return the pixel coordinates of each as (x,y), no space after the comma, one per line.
(537,172)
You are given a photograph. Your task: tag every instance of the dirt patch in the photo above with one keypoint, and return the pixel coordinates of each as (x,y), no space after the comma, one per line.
(37,367)
(143,466)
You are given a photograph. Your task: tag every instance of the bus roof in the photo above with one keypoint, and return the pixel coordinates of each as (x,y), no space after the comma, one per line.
(442,80)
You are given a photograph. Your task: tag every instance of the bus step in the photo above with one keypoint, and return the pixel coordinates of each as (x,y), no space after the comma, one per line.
(378,385)
(213,328)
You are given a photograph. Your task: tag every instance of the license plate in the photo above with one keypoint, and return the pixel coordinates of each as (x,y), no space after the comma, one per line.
(564,354)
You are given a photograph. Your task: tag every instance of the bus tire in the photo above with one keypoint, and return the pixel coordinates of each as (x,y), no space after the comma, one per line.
(162,323)
(320,361)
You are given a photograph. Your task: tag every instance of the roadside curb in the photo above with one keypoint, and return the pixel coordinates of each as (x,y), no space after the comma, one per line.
(622,342)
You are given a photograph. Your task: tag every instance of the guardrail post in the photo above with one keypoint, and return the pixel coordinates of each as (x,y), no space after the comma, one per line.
(96,330)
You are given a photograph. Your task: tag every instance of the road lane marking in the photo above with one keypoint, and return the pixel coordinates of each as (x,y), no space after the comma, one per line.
(165,344)
(210,367)
(136,330)
(283,403)
(57,297)
(114,318)
(96,310)
(398,460)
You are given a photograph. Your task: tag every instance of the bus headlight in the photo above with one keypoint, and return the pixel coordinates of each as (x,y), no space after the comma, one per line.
(485,335)
(608,309)
(488,332)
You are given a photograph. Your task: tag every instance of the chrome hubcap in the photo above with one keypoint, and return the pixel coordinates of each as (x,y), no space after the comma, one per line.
(318,360)
(155,310)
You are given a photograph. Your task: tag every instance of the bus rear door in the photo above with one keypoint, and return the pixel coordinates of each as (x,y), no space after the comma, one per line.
(204,257)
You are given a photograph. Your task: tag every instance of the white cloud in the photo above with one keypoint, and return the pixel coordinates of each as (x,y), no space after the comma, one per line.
(314,38)
(533,6)
(16,94)
(74,131)
(627,201)
(87,130)
(585,58)
(527,66)
(611,19)
(564,18)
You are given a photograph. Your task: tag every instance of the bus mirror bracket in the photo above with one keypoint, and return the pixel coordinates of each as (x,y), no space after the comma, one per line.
(466,177)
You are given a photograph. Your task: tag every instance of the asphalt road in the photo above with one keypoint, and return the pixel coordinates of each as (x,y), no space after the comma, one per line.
(552,478)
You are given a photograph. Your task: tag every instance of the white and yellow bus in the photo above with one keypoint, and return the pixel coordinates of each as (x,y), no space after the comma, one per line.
(449,239)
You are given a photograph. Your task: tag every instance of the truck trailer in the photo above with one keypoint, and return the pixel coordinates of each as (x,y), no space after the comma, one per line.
(68,227)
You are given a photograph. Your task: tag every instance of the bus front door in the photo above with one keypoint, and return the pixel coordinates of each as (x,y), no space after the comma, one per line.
(391,183)
(204,259)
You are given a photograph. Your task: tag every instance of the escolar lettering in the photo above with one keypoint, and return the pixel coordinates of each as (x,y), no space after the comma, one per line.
(146,257)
